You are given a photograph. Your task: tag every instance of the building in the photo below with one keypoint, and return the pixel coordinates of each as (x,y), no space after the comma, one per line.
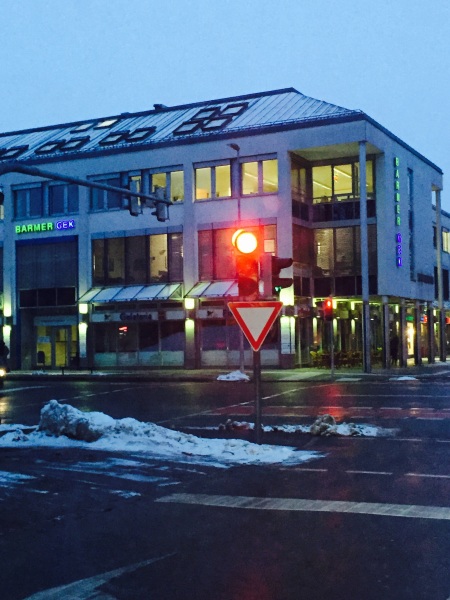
(94,278)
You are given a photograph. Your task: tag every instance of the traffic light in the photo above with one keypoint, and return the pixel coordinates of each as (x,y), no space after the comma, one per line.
(328,309)
(162,208)
(247,263)
(271,267)
(134,202)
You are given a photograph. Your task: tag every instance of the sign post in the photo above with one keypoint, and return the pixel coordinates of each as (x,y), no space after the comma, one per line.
(255,320)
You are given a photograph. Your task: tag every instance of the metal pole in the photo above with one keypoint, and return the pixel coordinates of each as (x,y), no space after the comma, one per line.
(332,347)
(237,190)
(15,167)
(257,380)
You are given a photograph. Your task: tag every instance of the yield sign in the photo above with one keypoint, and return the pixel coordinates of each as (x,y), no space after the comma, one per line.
(255,319)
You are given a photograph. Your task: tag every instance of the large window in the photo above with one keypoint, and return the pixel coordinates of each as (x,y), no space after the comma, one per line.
(171,181)
(339,182)
(215,251)
(106,200)
(259,177)
(213,182)
(28,202)
(62,199)
(32,202)
(138,259)
(337,266)
(47,274)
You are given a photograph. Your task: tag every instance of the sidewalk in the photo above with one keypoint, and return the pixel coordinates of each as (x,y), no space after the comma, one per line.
(193,375)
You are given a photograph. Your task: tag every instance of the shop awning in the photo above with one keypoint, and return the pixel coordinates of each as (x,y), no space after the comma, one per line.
(157,291)
(214,289)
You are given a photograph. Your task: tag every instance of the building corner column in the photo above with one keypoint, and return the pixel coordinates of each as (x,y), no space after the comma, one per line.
(367,366)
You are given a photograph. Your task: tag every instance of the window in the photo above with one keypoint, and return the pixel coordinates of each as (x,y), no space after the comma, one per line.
(48,266)
(340,182)
(259,177)
(213,182)
(75,143)
(82,127)
(215,251)
(140,134)
(338,255)
(28,202)
(211,118)
(113,138)
(445,240)
(173,180)
(62,199)
(106,200)
(138,259)
(106,123)
(49,147)
(12,152)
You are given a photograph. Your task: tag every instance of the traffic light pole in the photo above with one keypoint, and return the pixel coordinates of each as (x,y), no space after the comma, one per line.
(332,348)
(257,382)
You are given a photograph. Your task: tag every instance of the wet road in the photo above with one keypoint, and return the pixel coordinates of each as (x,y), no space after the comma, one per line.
(369,519)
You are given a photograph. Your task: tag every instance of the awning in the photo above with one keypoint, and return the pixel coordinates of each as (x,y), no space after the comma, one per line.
(214,289)
(157,291)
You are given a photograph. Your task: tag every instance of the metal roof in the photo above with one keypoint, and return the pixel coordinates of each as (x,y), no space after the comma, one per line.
(168,125)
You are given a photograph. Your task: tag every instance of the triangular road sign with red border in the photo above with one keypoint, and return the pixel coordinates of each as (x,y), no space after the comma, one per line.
(255,319)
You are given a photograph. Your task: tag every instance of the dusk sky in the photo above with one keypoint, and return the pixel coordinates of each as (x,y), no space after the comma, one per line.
(64,60)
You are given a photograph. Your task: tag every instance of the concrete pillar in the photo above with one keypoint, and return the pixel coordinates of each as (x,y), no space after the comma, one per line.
(431,343)
(417,348)
(403,346)
(367,367)
(442,341)
(386,339)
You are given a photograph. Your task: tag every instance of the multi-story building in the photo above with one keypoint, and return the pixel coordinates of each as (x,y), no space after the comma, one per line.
(87,283)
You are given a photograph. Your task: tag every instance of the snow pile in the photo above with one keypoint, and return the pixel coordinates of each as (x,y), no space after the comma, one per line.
(234,376)
(64,425)
(403,378)
(324,425)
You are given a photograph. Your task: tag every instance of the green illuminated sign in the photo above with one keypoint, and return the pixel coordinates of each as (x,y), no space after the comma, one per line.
(44,227)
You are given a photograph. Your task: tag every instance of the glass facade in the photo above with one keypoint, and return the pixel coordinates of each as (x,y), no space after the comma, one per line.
(137,259)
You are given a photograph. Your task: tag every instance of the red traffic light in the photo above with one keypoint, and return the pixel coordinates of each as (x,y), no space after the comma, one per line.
(247,263)
(328,309)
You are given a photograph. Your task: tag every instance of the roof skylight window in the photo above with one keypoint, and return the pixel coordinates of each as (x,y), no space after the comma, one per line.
(233,110)
(49,147)
(82,127)
(206,113)
(106,123)
(12,152)
(188,127)
(113,138)
(75,143)
(216,123)
(140,134)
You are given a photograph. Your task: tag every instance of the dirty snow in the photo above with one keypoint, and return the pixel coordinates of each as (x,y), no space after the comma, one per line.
(62,425)
(234,376)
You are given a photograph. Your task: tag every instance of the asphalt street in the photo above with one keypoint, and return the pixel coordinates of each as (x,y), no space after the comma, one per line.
(369,518)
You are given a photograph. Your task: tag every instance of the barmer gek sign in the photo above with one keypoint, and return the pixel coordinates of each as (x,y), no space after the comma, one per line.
(62,225)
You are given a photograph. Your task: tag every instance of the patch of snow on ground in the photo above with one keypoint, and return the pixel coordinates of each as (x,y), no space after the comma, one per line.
(64,425)
(234,376)
(403,378)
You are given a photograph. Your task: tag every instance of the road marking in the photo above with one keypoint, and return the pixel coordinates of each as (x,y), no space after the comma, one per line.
(282,394)
(7,390)
(84,589)
(427,475)
(410,511)
(369,472)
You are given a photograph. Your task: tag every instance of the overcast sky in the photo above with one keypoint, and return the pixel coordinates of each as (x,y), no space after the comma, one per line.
(64,60)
